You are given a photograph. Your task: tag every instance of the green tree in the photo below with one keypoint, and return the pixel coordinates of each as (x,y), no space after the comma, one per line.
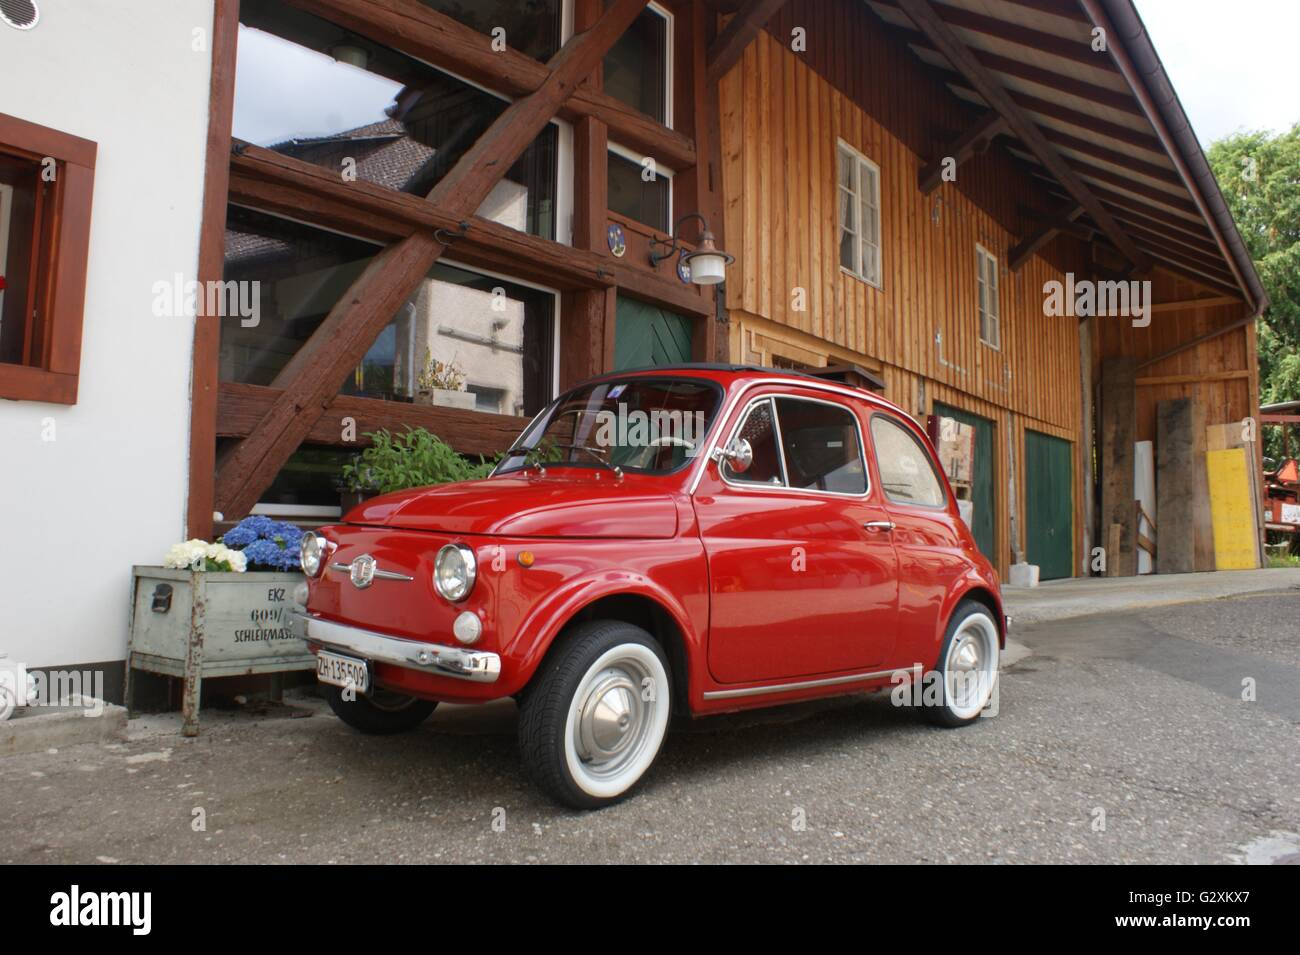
(1259,173)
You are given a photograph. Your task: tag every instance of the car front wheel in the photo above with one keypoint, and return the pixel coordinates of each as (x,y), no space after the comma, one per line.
(596,716)
(968,666)
(381,713)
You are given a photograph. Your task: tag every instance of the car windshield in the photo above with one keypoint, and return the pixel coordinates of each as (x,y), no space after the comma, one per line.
(648,425)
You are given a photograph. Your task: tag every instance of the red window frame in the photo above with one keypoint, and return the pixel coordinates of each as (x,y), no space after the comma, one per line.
(61,243)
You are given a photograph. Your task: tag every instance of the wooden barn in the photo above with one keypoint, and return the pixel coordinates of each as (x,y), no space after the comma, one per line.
(504,191)
(237,235)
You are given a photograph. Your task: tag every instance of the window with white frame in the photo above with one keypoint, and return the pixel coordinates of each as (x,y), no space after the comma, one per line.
(986,269)
(859,195)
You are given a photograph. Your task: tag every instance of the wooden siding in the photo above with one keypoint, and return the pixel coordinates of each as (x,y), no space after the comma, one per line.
(781,123)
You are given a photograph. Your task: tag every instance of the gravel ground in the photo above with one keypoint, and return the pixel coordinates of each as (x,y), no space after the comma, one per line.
(1133,720)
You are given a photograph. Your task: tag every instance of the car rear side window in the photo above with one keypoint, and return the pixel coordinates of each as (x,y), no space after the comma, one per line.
(906,471)
(760,432)
(822,450)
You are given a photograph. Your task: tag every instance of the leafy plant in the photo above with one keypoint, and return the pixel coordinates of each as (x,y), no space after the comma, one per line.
(414,458)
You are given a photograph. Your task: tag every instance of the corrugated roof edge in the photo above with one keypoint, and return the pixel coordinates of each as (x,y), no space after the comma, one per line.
(1137,42)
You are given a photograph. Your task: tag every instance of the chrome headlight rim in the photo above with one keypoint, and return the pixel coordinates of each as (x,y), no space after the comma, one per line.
(455,594)
(313,563)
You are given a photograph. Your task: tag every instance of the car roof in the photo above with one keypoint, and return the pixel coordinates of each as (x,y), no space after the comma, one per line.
(729,374)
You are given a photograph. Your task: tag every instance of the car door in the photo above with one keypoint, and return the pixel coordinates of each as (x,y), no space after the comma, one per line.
(927,534)
(798,584)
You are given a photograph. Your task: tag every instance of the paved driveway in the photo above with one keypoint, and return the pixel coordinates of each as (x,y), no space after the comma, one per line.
(1136,721)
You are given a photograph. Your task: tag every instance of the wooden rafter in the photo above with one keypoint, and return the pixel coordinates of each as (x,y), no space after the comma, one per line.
(1058,46)
(1023,250)
(1025,129)
(1101,95)
(974,139)
(416,29)
(739,32)
(320,367)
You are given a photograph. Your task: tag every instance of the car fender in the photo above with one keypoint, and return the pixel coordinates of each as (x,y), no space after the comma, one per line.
(957,591)
(547,619)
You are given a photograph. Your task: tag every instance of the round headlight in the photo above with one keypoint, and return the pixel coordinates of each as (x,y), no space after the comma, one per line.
(312,554)
(454,571)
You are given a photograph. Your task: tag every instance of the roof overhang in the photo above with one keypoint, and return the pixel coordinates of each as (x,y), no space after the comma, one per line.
(1103,130)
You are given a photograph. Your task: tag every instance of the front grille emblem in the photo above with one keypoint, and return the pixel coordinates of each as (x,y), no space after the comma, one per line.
(362,571)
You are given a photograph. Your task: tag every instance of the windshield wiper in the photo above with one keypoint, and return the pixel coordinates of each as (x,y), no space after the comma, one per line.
(599,456)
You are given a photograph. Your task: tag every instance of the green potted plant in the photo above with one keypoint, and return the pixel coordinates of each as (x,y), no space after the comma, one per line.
(413,458)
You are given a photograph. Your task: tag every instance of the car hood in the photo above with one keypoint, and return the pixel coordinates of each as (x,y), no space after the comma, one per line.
(593,505)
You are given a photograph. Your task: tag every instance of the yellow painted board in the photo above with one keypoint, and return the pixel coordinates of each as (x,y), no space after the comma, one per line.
(1235,546)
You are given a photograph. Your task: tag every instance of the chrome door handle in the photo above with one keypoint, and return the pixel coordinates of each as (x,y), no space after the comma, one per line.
(877,526)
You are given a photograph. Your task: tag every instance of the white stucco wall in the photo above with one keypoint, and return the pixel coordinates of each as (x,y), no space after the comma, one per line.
(109,491)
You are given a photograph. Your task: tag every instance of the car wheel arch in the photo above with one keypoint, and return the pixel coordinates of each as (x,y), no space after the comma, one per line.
(639,608)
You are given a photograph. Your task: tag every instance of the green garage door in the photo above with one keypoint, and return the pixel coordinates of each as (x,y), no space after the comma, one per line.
(982,489)
(1049,505)
(648,335)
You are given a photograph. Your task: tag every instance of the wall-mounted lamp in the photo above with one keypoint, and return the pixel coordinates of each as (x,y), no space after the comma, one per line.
(707,264)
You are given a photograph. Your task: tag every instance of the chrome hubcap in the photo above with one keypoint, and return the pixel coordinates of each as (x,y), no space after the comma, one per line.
(612,718)
(972,666)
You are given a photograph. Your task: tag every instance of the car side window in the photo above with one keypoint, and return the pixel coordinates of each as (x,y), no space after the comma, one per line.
(906,471)
(758,429)
(822,451)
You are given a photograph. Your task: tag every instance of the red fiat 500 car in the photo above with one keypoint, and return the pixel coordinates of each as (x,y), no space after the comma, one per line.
(690,540)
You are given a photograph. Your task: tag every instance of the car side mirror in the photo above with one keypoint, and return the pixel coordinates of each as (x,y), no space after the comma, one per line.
(739,455)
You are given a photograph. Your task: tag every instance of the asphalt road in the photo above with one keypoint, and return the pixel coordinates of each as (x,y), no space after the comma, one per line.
(1134,720)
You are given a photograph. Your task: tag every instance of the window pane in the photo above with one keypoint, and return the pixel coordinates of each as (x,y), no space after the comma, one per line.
(301,273)
(758,431)
(870,223)
(532,27)
(631,196)
(448,345)
(847,219)
(847,162)
(821,447)
(869,183)
(848,242)
(905,468)
(871,262)
(20,185)
(327,96)
(636,67)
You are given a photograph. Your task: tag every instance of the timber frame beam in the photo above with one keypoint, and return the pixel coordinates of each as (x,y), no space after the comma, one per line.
(413,28)
(1023,250)
(311,380)
(973,140)
(923,14)
(729,47)
(271,181)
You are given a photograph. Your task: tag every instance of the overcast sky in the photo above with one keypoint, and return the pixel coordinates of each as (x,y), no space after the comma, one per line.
(1233,64)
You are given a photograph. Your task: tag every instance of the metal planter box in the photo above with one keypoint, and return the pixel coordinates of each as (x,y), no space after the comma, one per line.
(195,624)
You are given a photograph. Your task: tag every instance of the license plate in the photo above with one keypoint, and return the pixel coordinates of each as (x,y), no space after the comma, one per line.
(339,670)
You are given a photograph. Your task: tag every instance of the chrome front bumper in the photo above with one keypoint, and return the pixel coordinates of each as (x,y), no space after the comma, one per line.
(475,665)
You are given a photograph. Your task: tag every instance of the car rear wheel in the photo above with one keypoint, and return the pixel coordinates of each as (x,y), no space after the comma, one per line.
(592,723)
(380,713)
(967,667)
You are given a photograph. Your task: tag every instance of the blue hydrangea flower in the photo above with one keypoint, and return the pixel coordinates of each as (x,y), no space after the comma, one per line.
(270,555)
(265,542)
